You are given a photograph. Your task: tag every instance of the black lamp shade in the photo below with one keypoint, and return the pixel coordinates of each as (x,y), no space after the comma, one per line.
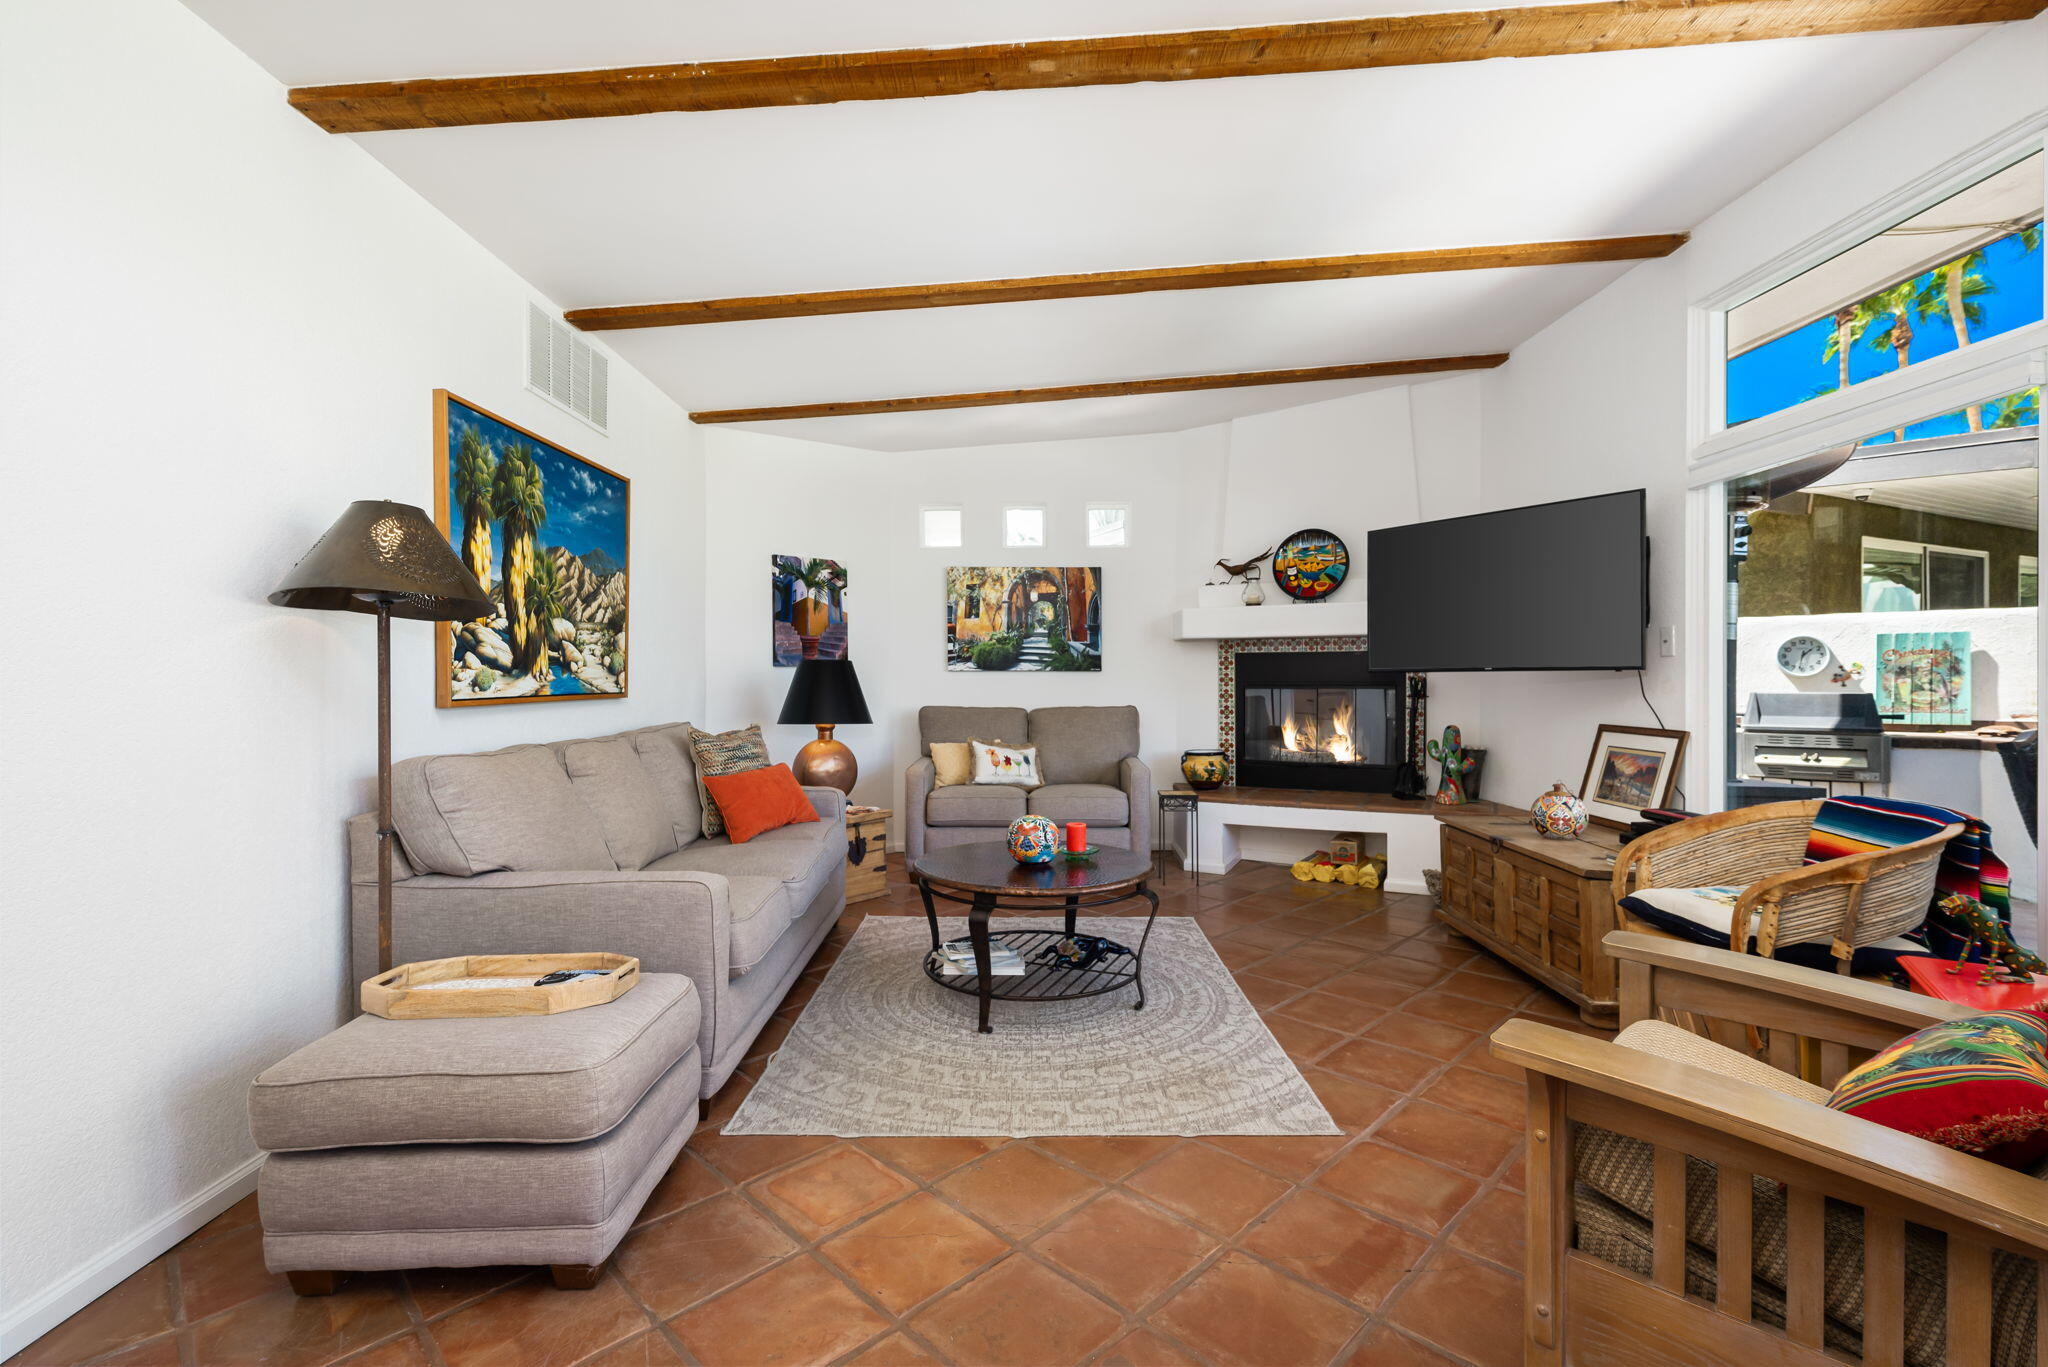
(824,693)
(388,552)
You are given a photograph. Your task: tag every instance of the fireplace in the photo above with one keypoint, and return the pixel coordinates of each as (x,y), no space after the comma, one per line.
(1317,720)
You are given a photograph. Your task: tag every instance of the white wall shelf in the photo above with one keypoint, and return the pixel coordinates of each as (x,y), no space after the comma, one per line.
(1285,618)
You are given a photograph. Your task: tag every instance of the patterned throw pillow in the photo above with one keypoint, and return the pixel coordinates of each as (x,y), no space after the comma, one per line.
(1978,1084)
(995,762)
(954,761)
(726,752)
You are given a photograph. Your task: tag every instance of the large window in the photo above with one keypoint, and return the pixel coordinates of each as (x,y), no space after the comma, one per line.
(1909,576)
(1964,270)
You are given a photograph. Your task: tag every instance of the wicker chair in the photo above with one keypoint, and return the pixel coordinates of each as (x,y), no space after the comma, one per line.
(1847,903)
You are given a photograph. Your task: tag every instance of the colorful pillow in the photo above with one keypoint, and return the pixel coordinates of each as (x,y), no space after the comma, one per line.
(1978,1084)
(954,761)
(725,752)
(995,762)
(757,800)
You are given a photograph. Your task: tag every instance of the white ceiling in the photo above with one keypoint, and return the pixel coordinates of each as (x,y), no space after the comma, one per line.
(768,201)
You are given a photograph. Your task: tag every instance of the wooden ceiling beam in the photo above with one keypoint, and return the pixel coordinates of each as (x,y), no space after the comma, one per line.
(1172,384)
(1097,283)
(1208,54)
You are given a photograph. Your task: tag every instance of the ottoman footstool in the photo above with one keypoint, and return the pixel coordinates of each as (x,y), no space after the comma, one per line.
(528,1140)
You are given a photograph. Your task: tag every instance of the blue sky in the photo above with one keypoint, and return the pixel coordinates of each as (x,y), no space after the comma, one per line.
(586,506)
(1792,368)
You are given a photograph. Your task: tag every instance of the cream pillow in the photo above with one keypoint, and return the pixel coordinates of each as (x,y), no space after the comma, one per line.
(995,762)
(953,761)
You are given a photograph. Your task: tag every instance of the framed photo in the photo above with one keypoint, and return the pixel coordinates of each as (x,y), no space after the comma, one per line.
(807,614)
(1631,768)
(1023,618)
(545,531)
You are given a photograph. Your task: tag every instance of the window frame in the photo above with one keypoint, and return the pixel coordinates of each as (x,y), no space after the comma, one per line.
(924,541)
(1044,526)
(1088,527)
(2019,586)
(1923,549)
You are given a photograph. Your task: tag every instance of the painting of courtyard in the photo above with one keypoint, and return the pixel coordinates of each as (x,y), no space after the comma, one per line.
(544,531)
(1023,618)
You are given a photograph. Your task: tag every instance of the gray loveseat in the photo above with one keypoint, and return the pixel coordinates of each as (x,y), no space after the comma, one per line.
(1089,756)
(597,845)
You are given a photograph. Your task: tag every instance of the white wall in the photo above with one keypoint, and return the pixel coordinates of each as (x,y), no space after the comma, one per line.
(2003,644)
(224,325)
(1597,401)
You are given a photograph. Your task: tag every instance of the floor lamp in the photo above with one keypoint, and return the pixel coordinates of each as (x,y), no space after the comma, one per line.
(388,559)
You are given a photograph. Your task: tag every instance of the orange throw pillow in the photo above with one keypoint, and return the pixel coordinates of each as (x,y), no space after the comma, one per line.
(759,800)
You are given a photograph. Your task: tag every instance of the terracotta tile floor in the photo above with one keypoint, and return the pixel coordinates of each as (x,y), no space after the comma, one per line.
(1399,1242)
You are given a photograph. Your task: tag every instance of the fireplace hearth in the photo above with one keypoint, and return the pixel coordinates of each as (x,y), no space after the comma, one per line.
(1317,720)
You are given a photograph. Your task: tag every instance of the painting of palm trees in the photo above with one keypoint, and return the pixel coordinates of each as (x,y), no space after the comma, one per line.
(545,532)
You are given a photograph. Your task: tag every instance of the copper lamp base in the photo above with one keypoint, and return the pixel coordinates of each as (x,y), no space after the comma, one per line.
(826,763)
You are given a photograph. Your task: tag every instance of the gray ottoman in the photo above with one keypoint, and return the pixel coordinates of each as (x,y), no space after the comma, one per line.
(466,1143)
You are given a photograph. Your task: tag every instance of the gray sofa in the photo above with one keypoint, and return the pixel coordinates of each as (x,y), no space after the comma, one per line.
(1088,755)
(597,845)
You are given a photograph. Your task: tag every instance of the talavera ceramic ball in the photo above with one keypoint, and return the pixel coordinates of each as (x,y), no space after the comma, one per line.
(1558,814)
(1033,839)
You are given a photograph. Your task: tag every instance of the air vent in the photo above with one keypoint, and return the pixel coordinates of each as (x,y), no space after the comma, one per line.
(565,368)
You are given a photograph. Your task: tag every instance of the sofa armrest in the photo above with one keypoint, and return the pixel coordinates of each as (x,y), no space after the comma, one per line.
(676,922)
(1134,776)
(918,781)
(829,803)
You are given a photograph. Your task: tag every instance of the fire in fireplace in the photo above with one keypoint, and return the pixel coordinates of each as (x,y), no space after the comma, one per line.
(1318,720)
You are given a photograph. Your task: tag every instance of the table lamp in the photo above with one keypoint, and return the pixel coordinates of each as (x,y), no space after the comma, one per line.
(825,694)
(388,559)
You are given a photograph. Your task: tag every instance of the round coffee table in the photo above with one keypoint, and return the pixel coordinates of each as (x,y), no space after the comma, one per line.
(983,877)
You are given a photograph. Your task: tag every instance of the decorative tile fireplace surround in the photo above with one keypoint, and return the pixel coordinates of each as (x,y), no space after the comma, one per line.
(1341,727)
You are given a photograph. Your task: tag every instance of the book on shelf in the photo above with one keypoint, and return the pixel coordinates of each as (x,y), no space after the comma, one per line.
(957,958)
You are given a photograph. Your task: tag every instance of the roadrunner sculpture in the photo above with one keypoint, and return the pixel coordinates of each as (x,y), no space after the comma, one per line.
(1233,572)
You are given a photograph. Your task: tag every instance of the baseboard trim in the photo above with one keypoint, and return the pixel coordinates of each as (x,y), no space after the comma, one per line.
(86,1285)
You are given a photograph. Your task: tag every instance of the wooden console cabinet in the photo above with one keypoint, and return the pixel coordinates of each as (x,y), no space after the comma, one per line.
(1541,905)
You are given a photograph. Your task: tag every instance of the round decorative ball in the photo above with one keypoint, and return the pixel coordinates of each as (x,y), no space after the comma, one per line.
(1033,839)
(1204,769)
(1558,814)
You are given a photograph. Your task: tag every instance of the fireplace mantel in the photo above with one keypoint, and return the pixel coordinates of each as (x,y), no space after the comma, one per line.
(1272,619)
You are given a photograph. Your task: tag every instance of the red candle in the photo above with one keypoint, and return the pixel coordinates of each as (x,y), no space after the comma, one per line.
(1077,837)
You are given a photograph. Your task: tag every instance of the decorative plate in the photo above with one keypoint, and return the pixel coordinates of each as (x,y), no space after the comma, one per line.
(1311,564)
(1803,656)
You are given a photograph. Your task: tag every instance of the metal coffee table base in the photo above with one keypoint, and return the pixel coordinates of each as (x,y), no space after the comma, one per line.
(1039,982)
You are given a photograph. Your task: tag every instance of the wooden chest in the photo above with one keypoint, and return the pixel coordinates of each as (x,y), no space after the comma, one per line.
(1541,905)
(867,850)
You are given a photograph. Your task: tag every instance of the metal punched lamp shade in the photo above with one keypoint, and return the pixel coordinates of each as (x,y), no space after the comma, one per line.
(825,694)
(385,551)
(388,559)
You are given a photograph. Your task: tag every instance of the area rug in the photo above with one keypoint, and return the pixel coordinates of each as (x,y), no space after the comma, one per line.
(882,1050)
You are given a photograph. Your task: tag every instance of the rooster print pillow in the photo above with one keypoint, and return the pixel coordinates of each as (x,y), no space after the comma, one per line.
(1016,765)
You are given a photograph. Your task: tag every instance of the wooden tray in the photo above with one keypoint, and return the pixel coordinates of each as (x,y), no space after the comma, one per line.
(403,994)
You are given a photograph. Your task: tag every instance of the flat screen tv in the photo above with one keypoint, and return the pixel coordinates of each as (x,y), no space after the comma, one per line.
(1554,586)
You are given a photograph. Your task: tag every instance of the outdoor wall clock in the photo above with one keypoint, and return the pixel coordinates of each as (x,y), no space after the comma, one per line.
(1803,656)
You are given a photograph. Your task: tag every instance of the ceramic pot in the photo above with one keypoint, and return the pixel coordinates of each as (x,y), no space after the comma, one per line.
(1558,814)
(1033,839)
(810,617)
(1204,769)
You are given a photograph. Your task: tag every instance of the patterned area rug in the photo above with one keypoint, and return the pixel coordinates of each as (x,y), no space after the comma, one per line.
(881,1050)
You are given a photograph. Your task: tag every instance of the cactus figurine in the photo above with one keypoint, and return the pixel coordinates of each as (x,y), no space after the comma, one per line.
(1457,767)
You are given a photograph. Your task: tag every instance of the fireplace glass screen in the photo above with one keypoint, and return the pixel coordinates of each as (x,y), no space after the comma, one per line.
(1322,725)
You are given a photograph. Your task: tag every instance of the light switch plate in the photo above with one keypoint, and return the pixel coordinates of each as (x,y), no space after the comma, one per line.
(1667,642)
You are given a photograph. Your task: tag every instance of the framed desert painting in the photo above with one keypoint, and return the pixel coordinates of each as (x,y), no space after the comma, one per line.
(546,533)
(1631,768)
(1024,618)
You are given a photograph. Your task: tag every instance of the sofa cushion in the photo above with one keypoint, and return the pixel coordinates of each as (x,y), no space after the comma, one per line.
(666,755)
(608,776)
(802,858)
(1000,763)
(483,1079)
(724,752)
(1083,744)
(1096,803)
(1705,915)
(1978,1084)
(952,762)
(971,723)
(504,809)
(757,801)
(974,804)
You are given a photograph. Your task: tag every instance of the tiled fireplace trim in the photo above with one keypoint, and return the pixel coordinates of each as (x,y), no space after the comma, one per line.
(1227,651)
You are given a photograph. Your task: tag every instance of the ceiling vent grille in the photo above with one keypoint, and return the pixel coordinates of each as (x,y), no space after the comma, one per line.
(563,367)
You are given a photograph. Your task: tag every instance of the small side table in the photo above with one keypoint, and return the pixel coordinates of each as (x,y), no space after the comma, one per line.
(1189,801)
(867,853)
